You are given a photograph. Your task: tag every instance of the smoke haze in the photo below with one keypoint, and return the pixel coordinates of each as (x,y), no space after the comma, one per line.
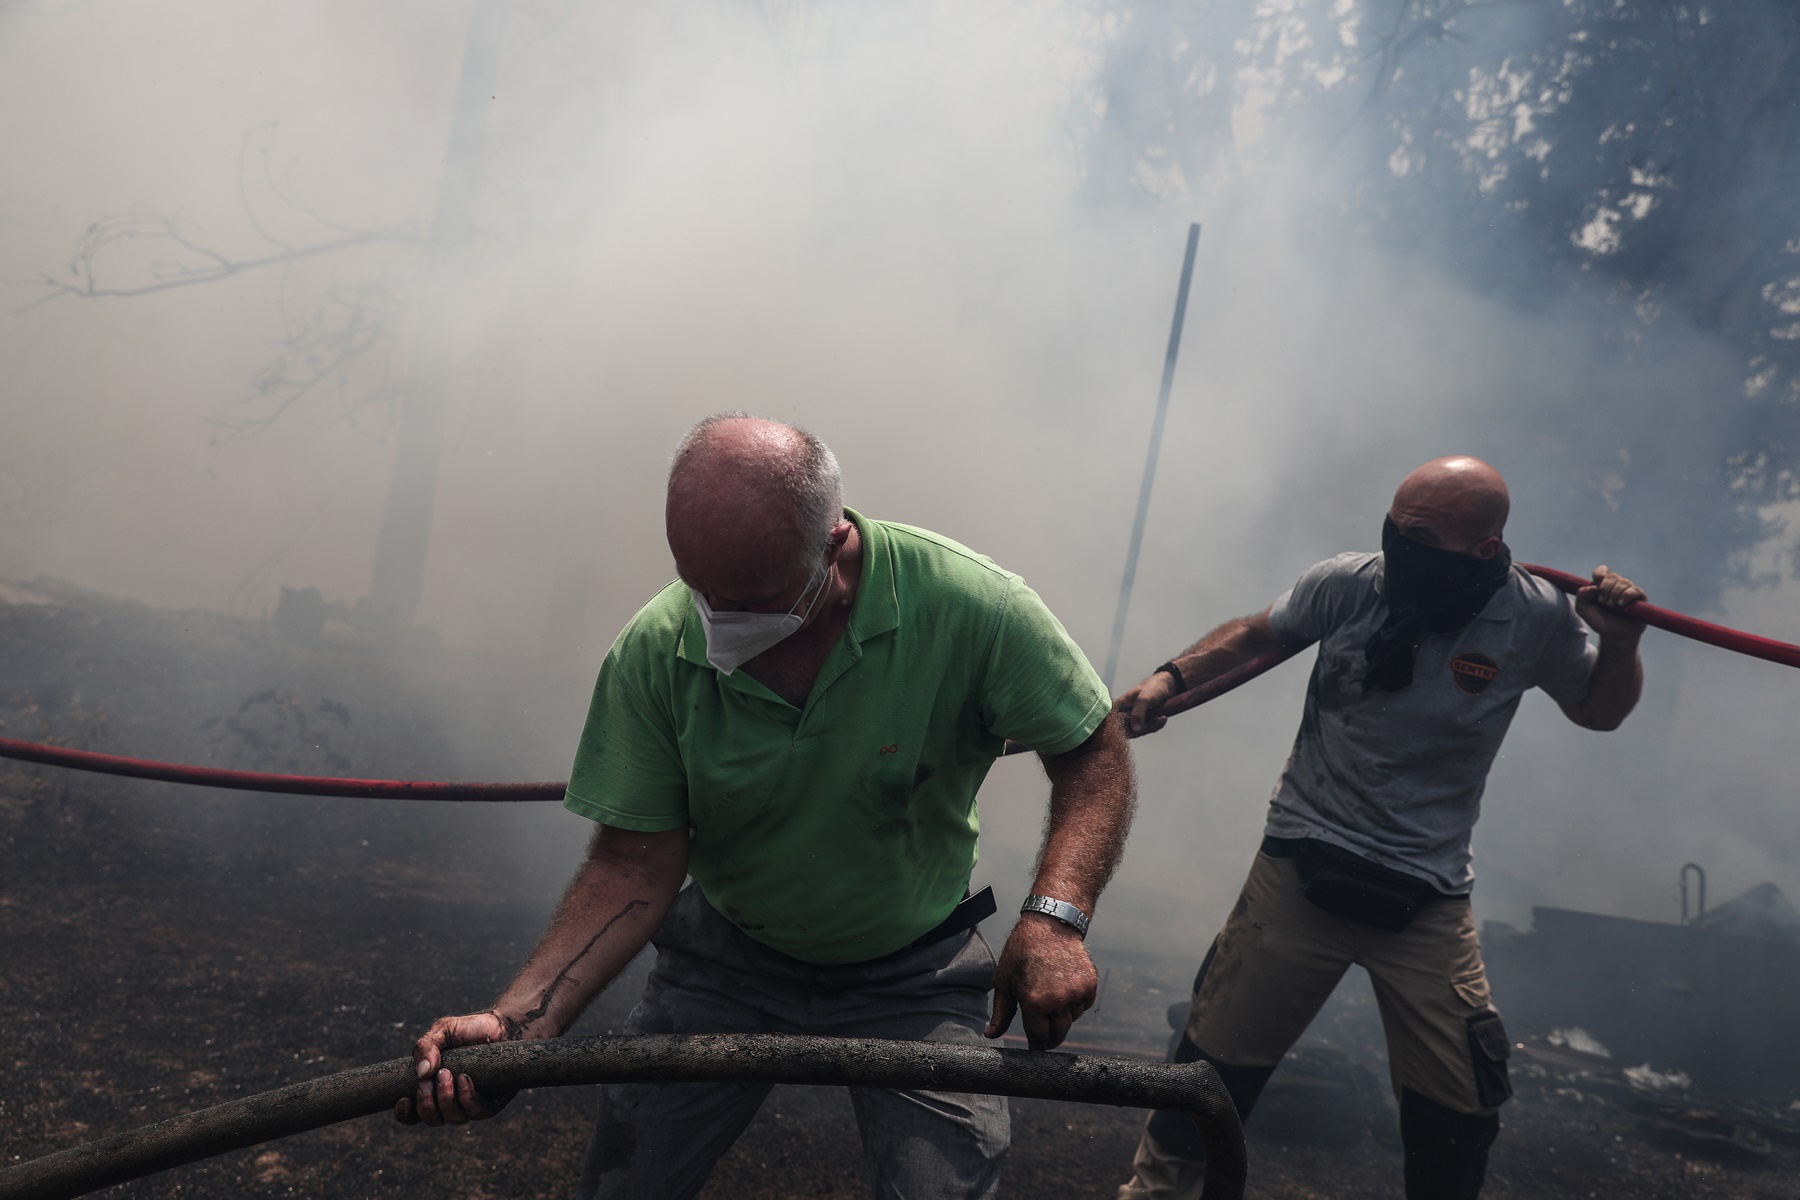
(883,224)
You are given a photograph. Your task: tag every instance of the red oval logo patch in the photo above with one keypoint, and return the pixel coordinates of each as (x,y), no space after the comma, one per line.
(1473,672)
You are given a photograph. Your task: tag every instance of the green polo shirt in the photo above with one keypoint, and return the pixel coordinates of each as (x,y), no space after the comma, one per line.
(843,830)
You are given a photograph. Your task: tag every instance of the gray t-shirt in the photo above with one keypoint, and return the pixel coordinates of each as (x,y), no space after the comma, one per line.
(1397,777)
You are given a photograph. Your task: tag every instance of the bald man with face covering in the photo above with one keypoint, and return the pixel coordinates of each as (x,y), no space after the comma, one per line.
(800,722)
(1425,650)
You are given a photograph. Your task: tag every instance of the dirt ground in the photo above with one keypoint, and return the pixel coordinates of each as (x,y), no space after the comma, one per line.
(166,949)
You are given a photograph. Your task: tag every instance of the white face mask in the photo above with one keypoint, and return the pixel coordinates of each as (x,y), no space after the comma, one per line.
(734,638)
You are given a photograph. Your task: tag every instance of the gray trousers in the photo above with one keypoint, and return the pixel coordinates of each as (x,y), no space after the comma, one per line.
(660,1141)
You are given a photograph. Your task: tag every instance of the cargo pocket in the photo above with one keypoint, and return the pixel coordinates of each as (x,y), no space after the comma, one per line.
(1472,989)
(1468,977)
(1489,1047)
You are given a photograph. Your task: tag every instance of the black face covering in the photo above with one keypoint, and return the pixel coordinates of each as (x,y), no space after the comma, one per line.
(1428,590)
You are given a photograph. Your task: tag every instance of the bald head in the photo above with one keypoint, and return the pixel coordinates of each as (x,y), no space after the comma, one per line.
(752,508)
(1457,503)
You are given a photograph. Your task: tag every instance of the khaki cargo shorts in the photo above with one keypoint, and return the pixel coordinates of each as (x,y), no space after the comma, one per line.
(1279,956)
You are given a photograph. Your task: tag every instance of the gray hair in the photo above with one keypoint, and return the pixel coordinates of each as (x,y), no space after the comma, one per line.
(810,480)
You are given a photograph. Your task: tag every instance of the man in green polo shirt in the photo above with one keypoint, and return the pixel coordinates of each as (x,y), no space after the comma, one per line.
(801,722)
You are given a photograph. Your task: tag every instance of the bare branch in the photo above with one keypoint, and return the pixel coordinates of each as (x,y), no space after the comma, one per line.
(243,192)
(345,324)
(283,192)
(198,262)
(111,232)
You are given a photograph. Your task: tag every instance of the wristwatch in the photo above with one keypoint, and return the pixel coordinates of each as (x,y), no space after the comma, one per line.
(1173,672)
(1062,910)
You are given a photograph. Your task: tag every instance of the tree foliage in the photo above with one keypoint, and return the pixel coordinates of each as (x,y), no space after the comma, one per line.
(1638,160)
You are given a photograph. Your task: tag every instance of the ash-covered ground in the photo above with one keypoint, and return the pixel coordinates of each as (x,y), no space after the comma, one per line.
(170,948)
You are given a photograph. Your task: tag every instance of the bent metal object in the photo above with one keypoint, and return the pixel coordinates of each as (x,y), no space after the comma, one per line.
(707,1058)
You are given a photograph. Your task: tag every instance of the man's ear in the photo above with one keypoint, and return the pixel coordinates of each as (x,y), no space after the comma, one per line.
(1486,547)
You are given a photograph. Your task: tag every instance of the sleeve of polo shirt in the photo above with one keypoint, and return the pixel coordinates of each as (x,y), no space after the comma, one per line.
(1318,602)
(1568,657)
(1039,688)
(628,770)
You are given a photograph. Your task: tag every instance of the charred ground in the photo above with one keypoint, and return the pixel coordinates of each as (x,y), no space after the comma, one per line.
(167,948)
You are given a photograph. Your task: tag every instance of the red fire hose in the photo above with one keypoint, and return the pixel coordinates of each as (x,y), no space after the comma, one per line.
(298,785)
(1768,649)
(1750,644)
(1659,618)
(1764,648)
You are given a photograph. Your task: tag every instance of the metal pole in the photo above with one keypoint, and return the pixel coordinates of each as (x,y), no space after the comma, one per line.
(1156,432)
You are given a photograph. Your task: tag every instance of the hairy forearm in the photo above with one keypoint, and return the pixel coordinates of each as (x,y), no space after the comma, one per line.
(1230,645)
(615,902)
(1614,686)
(1093,793)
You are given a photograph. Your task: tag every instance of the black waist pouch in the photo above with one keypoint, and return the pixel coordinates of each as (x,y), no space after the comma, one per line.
(1349,886)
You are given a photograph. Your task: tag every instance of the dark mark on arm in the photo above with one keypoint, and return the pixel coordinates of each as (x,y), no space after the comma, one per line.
(515,1029)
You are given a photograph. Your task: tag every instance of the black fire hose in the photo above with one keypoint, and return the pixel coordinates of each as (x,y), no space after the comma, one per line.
(709,1058)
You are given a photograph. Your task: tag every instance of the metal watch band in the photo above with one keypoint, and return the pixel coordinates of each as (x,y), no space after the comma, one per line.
(1062,910)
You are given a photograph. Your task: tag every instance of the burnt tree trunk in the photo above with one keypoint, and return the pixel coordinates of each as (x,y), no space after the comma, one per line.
(405,534)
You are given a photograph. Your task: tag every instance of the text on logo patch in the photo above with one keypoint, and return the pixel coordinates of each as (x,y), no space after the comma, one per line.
(1473,672)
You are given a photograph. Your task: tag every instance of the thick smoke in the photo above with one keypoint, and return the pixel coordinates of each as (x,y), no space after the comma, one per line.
(914,231)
